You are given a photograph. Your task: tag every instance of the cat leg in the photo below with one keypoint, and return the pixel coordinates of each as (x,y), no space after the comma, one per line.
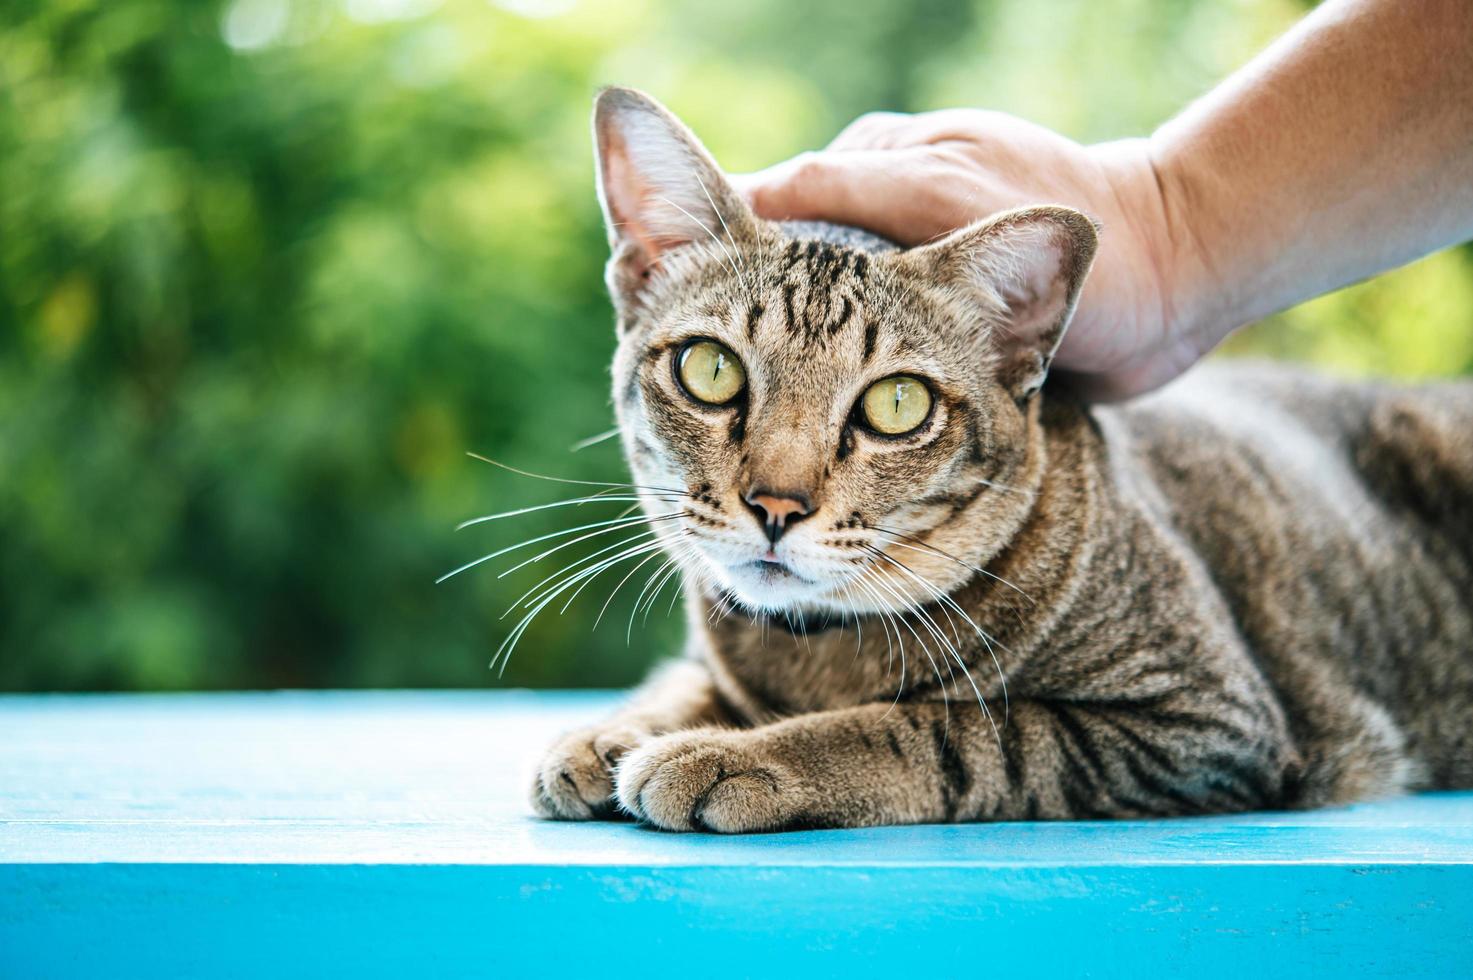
(920,762)
(1191,754)
(574,780)
(843,768)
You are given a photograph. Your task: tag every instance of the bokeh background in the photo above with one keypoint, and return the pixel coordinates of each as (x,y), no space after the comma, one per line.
(270,268)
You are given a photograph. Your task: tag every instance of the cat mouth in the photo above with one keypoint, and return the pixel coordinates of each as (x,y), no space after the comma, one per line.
(771,569)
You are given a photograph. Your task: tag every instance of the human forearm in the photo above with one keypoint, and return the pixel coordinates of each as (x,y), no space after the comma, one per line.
(1344,149)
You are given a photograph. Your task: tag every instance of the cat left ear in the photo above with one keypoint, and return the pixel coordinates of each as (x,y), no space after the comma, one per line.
(659,189)
(1026,267)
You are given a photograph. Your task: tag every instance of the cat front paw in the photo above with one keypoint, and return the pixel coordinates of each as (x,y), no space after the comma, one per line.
(575,780)
(706,780)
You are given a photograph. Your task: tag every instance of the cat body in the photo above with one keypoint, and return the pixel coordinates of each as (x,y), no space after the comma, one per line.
(1249,590)
(1247,599)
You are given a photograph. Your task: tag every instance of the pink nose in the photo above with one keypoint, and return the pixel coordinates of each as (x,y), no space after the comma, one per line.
(778,511)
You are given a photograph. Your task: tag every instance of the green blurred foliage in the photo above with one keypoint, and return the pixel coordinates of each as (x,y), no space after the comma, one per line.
(268,269)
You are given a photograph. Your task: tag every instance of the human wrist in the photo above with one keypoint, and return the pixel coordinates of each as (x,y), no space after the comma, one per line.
(1199,291)
(1180,286)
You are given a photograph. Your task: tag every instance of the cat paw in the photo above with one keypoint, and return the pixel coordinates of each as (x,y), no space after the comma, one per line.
(705,780)
(575,780)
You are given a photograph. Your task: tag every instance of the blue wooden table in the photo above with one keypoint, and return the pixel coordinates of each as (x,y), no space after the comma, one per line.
(386,834)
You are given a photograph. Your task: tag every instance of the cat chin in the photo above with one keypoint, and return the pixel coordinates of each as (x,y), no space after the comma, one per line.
(771,589)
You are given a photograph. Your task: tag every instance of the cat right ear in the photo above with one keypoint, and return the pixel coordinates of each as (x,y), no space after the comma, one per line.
(659,189)
(1023,269)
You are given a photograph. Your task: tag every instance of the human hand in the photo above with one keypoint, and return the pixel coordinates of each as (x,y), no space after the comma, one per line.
(913,178)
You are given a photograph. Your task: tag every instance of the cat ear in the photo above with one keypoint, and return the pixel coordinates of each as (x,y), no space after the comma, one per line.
(1026,266)
(659,188)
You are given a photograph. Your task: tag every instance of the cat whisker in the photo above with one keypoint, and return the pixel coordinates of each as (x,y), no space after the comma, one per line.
(729,235)
(704,227)
(888,617)
(683,581)
(703,579)
(723,606)
(851,610)
(987,639)
(792,631)
(584,559)
(582,444)
(584,483)
(885,624)
(615,591)
(604,527)
(926,545)
(684,551)
(949,603)
(551,582)
(570,502)
(658,575)
(1004,488)
(627,541)
(569,601)
(503,652)
(625,522)
(648,589)
(912,609)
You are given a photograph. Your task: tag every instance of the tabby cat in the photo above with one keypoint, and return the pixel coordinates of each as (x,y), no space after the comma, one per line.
(922,586)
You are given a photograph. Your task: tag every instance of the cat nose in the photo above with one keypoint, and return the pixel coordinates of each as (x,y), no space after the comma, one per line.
(777,511)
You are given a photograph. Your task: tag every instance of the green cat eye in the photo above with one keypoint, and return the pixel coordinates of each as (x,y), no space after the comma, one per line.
(710,372)
(896,405)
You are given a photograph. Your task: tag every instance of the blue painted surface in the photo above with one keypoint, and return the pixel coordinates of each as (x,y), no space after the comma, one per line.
(385,834)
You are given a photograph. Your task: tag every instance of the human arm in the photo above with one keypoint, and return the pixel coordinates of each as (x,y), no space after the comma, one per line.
(1344,149)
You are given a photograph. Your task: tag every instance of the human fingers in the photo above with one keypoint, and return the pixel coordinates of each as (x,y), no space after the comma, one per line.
(908,196)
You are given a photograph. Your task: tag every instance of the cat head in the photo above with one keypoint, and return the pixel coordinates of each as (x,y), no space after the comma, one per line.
(828,423)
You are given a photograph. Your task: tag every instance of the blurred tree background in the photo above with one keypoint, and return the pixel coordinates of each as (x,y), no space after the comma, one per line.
(269,268)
